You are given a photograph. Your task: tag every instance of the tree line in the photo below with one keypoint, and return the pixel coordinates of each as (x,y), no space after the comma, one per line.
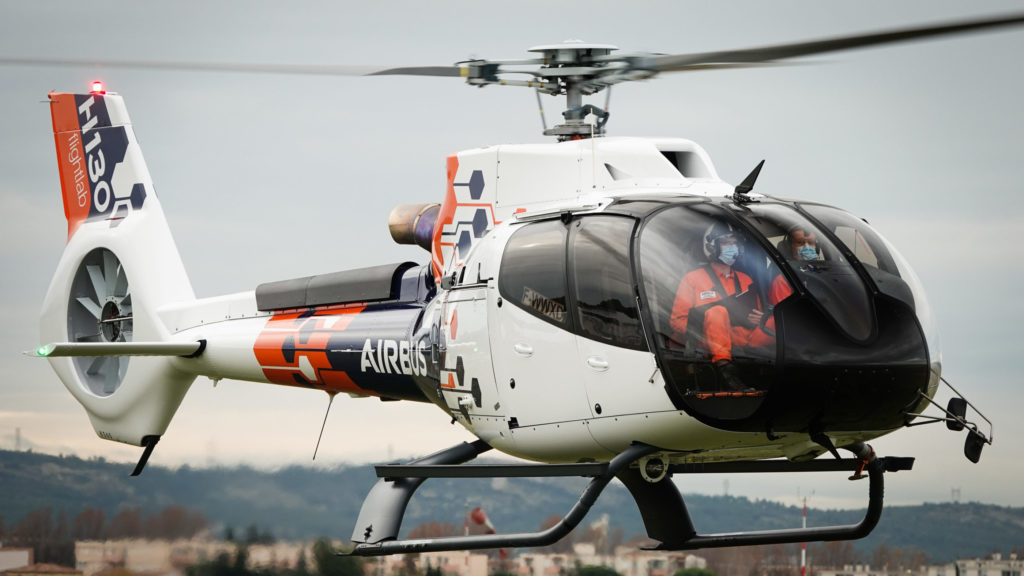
(52,536)
(326,562)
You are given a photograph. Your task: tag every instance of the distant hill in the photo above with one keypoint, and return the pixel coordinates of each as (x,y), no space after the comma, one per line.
(300,502)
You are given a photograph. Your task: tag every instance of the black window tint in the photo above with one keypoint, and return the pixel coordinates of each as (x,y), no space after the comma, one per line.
(606,304)
(858,237)
(533,271)
(873,252)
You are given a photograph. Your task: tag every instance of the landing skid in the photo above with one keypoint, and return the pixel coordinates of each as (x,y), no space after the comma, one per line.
(661,505)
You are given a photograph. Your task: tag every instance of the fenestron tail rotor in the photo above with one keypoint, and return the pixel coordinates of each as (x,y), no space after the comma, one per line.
(100,311)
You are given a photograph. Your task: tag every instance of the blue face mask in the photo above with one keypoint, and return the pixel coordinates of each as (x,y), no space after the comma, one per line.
(807,252)
(728,254)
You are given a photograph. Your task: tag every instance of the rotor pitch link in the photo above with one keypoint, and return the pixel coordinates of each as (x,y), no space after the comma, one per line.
(529,539)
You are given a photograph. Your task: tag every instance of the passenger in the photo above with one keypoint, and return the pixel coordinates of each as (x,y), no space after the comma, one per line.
(705,298)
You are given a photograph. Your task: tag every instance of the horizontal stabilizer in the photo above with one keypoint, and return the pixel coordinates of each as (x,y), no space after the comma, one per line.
(121,349)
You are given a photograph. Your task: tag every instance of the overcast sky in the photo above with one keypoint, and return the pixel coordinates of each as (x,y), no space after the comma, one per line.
(266,177)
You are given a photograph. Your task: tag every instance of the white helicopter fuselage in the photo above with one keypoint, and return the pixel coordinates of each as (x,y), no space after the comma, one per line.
(525,386)
(532,326)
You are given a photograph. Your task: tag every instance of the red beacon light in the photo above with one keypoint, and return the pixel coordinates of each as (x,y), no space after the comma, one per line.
(97,87)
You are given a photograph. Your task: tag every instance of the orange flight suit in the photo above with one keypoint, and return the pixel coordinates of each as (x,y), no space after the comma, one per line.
(779,290)
(696,290)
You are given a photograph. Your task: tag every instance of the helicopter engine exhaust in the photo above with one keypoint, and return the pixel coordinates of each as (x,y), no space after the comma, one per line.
(414,223)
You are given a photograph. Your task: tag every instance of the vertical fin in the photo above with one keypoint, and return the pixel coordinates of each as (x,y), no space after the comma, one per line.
(102,174)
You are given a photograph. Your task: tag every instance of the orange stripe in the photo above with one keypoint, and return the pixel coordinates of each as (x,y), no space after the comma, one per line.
(71,162)
(284,325)
(450,383)
(444,217)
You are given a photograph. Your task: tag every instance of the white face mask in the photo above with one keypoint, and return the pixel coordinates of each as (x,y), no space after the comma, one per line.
(807,252)
(728,254)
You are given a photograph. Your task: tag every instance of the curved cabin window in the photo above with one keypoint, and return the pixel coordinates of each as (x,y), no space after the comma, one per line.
(708,288)
(890,272)
(818,265)
(683,251)
(533,271)
(603,284)
(868,247)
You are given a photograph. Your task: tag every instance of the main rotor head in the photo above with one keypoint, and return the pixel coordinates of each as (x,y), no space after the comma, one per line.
(574,69)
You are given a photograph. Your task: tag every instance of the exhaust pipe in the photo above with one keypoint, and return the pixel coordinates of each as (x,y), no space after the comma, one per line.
(414,224)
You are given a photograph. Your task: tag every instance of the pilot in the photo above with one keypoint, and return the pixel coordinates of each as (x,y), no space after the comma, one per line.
(715,305)
(800,245)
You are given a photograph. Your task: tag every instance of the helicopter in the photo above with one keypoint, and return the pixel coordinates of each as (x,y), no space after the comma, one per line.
(544,320)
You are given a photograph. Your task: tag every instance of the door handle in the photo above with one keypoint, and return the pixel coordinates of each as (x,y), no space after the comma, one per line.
(523,350)
(597,363)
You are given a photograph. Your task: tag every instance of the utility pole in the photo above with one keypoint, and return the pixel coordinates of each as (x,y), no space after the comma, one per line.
(803,545)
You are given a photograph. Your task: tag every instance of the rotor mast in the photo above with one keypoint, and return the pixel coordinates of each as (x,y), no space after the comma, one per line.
(572,68)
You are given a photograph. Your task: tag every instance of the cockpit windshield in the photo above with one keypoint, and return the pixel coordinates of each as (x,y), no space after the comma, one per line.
(817,264)
(749,301)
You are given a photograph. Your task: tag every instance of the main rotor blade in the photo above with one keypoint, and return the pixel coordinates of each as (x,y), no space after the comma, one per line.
(704,60)
(449,71)
(306,69)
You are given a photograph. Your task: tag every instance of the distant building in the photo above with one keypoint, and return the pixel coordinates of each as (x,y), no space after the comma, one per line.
(626,560)
(994,565)
(457,563)
(861,570)
(15,558)
(544,564)
(460,563)
(631,561)
(42,570)
(166,557)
